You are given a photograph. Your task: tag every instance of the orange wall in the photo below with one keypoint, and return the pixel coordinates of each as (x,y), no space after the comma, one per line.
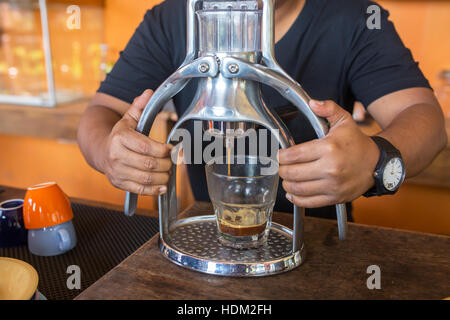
(424,27)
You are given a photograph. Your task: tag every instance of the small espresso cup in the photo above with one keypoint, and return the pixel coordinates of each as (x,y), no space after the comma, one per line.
(48,217)
(12,229)
(53,240)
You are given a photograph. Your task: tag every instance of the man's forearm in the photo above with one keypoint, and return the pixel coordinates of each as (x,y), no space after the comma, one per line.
(95,126)
(419,133)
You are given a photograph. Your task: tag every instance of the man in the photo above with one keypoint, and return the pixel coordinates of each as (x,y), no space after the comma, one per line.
(328,48)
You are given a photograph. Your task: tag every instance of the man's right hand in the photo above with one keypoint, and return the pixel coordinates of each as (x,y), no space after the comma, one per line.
(132,161)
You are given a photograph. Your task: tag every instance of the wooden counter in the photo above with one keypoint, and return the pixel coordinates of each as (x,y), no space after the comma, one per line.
(413,266)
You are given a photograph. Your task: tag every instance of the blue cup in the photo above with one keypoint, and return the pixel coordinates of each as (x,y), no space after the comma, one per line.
(53,240)
(12,229)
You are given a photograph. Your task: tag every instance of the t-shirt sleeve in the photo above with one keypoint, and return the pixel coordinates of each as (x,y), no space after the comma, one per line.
(145,62)
(380,63)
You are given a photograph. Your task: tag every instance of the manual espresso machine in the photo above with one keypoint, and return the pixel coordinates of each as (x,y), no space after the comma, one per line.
(230,50)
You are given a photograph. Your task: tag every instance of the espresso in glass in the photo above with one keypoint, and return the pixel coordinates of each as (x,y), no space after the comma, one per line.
(243,194)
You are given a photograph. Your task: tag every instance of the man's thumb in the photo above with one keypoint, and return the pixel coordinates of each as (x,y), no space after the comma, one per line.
(329,110)
(137,107)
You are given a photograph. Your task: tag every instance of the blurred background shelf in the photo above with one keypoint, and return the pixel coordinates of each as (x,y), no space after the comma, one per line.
(57,123)
(46,57)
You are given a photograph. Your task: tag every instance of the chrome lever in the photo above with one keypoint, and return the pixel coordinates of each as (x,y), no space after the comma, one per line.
(201,67)
(232,67)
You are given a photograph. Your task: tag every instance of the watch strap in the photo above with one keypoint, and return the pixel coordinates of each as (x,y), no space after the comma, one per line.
(385,146)
(386,149)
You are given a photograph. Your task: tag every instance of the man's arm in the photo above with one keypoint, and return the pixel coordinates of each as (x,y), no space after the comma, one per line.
(412,120)
(109,141)
(339,168)
(101,115)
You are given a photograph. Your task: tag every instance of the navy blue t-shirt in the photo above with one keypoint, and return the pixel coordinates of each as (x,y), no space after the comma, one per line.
(329,50)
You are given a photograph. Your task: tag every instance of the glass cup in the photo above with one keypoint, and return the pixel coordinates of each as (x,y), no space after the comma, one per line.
(243,192)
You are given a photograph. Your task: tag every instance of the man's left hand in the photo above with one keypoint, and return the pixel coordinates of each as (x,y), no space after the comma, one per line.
(335,169)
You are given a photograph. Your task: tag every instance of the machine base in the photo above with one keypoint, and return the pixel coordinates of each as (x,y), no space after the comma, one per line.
(193,243)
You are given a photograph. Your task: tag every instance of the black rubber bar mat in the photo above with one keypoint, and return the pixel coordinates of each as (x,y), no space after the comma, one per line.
(105,238)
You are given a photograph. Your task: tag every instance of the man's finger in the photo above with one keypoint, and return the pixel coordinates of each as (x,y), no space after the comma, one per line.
(137,107)
(143,177)
(329,110)
(310,202)
(302,172)
(306,188)
(304,152)
(141,144)
(146,163)
(143,190)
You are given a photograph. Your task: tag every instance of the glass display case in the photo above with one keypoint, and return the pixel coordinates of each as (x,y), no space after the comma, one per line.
(43,61)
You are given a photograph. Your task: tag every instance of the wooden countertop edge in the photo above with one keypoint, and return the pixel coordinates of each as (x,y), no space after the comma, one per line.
(59,122)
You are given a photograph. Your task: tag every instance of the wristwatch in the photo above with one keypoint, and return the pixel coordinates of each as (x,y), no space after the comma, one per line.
(390,170)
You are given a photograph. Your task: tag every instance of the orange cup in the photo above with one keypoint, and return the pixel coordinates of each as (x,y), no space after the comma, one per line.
(46,205)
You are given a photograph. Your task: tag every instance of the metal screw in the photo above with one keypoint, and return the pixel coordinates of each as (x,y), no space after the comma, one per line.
(203,67)
(233,68)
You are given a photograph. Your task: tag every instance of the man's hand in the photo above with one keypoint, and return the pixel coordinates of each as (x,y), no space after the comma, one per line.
(132,161)
(335,169)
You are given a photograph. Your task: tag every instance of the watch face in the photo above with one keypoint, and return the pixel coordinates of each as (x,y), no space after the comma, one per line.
(393,174)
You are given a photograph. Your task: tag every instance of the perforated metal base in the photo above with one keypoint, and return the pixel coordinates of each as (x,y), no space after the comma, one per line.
(193,243)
